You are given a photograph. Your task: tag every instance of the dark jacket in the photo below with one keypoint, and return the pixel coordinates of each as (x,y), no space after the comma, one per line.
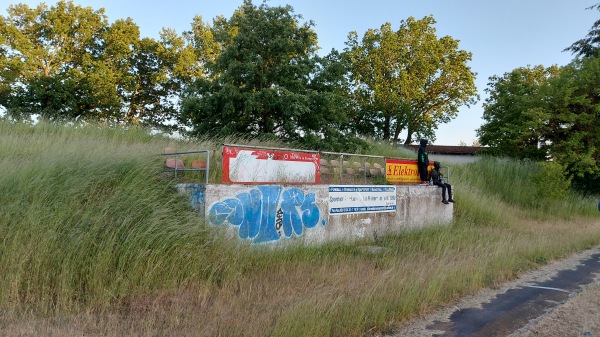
(436,176)
(422,157)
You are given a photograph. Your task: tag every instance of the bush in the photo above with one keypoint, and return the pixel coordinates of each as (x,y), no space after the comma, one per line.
(551,180)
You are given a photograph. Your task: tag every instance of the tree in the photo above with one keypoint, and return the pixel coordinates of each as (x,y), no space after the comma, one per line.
(589,45)
(408,80)
(48,55)
(202,40)
(264,78)
(67,63)
(330,103)
(158,73)
(510,127)
(571,121)
(559,108)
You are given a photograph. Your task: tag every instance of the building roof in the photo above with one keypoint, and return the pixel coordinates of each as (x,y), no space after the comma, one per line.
(448,149)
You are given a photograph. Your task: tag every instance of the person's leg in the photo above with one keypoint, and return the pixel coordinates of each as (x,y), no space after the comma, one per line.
(449,192)
(443,186)
(423,174)
(444,194)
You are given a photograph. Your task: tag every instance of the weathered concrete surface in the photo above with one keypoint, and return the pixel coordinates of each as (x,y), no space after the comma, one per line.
(259,213)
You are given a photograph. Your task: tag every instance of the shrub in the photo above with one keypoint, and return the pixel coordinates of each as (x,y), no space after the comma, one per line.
(551,180)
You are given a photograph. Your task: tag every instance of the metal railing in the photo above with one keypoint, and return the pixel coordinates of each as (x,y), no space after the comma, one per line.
(366,168)
(371,165)
(176,163)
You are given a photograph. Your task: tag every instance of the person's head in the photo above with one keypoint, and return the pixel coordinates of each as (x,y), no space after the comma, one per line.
(424,142)
(436,165)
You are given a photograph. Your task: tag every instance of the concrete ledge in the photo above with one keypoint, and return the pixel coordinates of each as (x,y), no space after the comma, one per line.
(280,214)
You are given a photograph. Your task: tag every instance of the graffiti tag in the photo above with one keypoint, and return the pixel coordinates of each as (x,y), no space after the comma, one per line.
(268,213)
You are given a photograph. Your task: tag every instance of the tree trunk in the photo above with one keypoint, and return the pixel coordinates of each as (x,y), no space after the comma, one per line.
(386,128)
(396,134)
(408,136)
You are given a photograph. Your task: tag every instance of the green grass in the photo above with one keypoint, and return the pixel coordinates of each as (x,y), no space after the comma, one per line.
(94,238)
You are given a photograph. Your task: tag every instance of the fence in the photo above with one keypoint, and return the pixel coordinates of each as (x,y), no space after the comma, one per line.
(332,167)
(197,161)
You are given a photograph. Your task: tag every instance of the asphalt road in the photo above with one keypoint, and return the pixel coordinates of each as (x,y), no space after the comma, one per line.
(504,311)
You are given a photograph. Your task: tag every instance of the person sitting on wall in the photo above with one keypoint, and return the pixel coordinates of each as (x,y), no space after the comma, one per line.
(423,162)
(438,179)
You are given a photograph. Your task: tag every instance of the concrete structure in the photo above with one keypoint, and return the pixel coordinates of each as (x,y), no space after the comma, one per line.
(304,214)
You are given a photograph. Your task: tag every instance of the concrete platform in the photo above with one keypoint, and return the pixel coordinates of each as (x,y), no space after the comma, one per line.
(314,214)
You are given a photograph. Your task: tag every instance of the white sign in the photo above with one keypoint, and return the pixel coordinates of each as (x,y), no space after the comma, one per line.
(348,199)
(260,166)
(247,167)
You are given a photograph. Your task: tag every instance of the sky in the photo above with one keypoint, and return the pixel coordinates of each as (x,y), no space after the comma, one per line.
(502,35)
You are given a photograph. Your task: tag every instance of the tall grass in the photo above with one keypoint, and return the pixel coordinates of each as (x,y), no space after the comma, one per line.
(94,239)
(86,220)
(515,183)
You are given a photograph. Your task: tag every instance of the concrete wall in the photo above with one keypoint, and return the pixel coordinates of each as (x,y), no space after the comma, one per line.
(280,214)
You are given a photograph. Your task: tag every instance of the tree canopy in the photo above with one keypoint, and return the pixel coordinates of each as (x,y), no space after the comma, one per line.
(551,113)
(256,73)
(510,126)
(67,62)
(538,113)
(408,79)
(266,79)
(570,115)
(590,44)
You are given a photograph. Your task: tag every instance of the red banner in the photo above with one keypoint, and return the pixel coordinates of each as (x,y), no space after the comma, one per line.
(264,166)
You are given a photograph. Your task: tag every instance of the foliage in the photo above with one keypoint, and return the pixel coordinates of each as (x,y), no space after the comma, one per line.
(265,78)
(49,55)
(551,181)
(508,130)
(67,62)
(589,45)
(570,116)
(408,80)
(254,74)
(558,109)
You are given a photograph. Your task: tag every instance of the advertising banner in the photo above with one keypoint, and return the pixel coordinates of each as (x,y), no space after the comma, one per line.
(352,199)
(403,171)
(263,166)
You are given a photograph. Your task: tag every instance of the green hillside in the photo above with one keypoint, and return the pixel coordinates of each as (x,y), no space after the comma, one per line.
(95,241)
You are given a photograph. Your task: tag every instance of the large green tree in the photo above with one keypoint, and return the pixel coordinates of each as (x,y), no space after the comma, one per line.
(510,126)
(48,55)
(408,80)
(265,78)
(66,62)
(158,72)
(538,113)
(570,118)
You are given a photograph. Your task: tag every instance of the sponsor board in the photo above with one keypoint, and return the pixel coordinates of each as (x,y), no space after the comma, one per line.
(403,171)
(262,166)
(354,199)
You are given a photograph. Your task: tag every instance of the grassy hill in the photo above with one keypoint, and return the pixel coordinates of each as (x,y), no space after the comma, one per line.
(94,240)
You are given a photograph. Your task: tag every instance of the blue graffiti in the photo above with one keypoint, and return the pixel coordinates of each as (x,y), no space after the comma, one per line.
(195,193)
(268,213)
(196,196)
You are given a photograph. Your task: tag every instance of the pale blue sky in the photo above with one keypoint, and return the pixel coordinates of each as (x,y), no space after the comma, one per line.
(501,34)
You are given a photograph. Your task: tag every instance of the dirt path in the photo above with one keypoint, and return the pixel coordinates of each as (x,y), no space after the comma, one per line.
(577,314)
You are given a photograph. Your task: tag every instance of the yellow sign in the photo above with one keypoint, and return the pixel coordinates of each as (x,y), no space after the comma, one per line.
(403,171)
